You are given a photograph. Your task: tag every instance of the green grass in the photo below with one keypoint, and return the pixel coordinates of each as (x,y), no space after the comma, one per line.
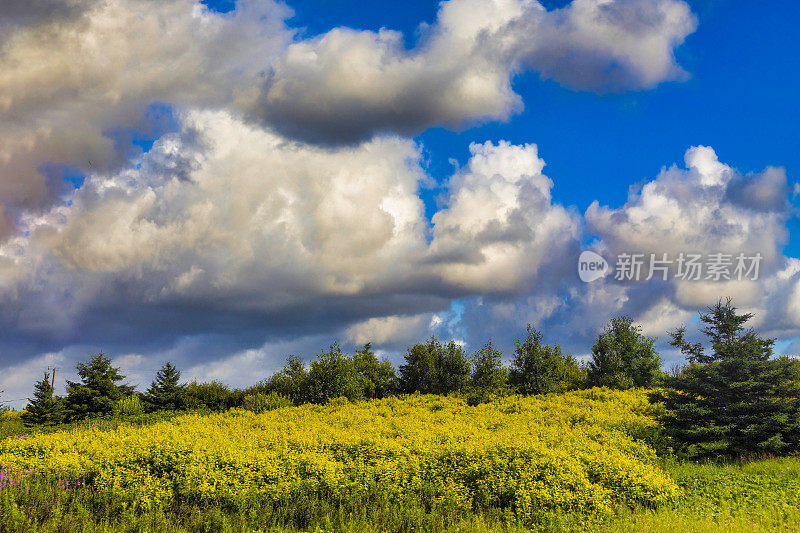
(11,424)
(760,495)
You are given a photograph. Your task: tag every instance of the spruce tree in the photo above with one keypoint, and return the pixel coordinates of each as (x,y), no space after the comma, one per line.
(44,408)
(165,392)
(733,400)
(97,392)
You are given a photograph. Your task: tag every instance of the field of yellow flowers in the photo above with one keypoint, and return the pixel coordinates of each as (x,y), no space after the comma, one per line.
(586,451)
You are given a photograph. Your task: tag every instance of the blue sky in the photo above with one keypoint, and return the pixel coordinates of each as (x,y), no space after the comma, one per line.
(221,188)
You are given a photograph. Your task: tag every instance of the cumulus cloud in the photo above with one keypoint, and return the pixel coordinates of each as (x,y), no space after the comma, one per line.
(705,207)
(346,85)
(500,227)
(227,227)
(16,13)
(70,81)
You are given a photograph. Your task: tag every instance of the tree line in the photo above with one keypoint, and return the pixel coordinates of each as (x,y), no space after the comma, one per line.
(731,399)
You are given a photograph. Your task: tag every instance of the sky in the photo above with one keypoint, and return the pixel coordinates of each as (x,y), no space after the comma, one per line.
(221,184)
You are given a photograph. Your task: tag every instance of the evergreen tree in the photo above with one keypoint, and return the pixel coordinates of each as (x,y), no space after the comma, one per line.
(736,400)
(165,392)
(538,368)
(98,391)
(623,358)
(44,408)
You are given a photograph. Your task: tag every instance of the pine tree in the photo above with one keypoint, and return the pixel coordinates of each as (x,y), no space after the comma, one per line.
(44,408)
(623,358)
(165,392)
(98,391)
(734,401)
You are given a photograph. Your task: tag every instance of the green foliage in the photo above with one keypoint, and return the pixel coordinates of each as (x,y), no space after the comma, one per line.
(489,379)
(213,395)
(97,392)
(291,381)
(538,368)
(434,368)
(258,402)
(735,401)
(488,372)
(333,375)
(44,408)
(623,358)
(377,377)
(729,340)
(165,392)
(129,406)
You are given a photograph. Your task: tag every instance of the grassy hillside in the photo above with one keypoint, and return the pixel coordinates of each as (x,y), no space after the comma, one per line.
(576,461)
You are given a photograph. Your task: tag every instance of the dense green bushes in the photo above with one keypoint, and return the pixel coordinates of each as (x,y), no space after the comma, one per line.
(733,399)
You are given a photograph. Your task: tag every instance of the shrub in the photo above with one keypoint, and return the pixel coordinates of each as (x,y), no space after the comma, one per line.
(434,368)
(213,395)
(523,456)
(333,375)
(377,377)
(258,402)
(291,381)
(129,406)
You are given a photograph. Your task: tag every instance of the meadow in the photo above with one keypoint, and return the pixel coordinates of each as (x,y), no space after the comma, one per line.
(584,460)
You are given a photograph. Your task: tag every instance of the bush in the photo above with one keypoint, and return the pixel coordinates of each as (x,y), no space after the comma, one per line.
(522,456)
(129,406)
(377,377)
(258,402)
(333,375)
(434,368)
(213,395)
(290,382)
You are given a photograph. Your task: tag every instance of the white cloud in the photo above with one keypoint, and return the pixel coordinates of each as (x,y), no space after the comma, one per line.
(346,85)
(500,227)
(392,330)
(69,82)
